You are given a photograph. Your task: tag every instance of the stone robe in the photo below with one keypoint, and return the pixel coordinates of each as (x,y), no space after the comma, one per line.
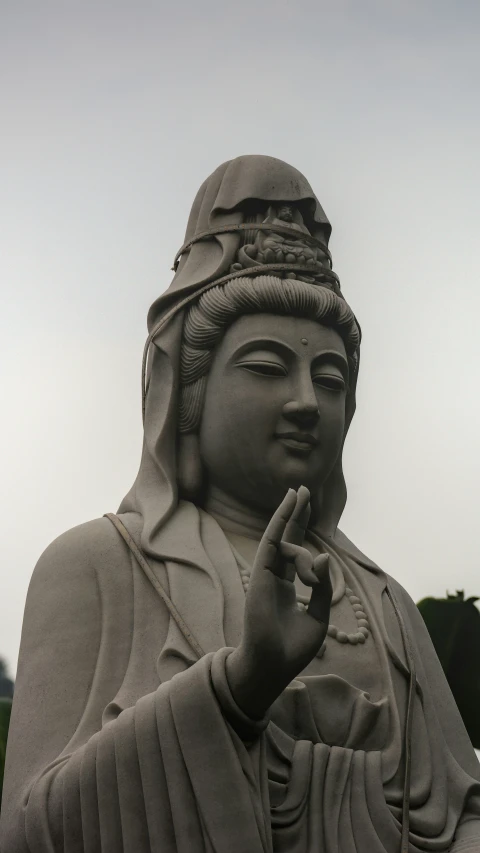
(122,741)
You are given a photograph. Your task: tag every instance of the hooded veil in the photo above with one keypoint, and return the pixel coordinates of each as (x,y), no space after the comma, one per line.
(226,198)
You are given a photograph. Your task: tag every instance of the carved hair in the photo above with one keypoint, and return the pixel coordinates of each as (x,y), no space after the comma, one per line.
(217,308)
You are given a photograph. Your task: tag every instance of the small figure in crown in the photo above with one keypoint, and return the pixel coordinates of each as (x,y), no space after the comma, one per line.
(273,247)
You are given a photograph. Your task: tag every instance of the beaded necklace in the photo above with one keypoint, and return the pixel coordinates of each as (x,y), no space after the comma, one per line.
(358,636)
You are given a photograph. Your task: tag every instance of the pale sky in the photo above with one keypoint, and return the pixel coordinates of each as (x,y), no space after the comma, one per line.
(113,113)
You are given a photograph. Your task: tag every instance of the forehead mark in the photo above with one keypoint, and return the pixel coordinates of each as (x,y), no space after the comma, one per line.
(304,342)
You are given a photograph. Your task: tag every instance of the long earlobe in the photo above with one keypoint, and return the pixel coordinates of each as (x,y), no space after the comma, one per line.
(189,466)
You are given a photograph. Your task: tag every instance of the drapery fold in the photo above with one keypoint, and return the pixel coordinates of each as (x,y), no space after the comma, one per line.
(169,775)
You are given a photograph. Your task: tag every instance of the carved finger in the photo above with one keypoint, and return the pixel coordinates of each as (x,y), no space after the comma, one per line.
(321,567)
(296,527)
(302,560)
(321,598)
(270,541)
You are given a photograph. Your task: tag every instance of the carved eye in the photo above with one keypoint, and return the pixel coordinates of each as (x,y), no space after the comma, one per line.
(264,368)
(329,381)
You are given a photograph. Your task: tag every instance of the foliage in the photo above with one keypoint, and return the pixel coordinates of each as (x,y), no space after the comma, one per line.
(5,709)
(454,627)
(6,693)
(6,683)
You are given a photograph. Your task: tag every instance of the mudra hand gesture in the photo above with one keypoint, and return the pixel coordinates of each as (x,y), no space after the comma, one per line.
(280,637)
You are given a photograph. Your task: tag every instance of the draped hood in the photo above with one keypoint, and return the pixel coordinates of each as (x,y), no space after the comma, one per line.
(219,202)
(225,198)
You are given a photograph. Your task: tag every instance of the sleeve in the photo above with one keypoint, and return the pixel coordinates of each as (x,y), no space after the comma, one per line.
(169,773)
(467,838)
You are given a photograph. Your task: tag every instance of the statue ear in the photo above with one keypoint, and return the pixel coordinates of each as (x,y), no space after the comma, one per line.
(189,466)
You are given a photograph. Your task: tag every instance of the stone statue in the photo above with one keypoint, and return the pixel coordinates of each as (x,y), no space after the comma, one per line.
(216,667)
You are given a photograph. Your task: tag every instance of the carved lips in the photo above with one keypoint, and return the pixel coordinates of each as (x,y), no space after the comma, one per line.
(301,442)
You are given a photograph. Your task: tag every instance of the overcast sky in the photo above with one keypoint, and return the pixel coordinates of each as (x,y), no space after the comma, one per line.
(113,113)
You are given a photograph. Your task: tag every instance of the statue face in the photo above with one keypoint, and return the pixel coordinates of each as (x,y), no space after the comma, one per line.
(274,410)
(286,213)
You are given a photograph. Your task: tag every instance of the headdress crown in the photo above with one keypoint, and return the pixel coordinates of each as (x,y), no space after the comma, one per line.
(278,243)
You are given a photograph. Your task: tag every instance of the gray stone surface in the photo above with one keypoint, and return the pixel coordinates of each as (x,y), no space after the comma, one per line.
(217,667)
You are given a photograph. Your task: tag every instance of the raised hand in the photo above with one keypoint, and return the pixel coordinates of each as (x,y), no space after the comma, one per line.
(280,637)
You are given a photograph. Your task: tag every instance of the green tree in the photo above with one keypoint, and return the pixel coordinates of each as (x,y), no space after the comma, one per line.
(454,627)
(6,683)
(6,693)
(5,709)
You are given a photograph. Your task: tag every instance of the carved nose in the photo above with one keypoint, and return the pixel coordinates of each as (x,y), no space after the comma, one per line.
(302,412)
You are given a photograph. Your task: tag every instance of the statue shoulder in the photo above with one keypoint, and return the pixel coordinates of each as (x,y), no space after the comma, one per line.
(402,597)
(344,542)
(406,604)
(84,552)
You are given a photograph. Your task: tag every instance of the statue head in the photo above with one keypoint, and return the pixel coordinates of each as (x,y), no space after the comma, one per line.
(265,375)
(250,366)
(285,212)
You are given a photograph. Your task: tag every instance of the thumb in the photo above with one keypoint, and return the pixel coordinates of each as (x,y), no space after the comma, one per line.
(302,560)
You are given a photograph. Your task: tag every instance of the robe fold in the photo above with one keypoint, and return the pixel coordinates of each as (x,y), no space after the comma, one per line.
(122,741)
